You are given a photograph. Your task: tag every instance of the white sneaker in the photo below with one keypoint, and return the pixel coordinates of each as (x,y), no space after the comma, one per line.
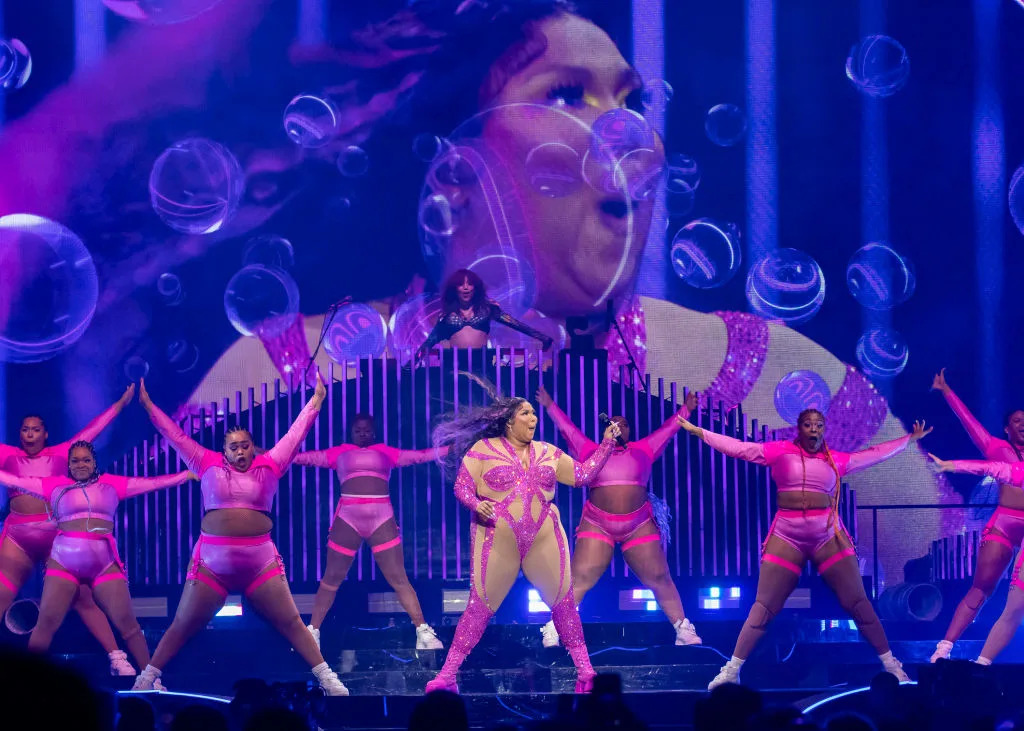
(148,680)
(549,635)
(331,684)
(942,650)
(686,633)
(158,685)
(119,664)
(316,634)
(426,638)
(729,673)
(895,667)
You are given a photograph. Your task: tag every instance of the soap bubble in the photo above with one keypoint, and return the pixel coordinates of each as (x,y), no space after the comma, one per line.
(786,285)
(196,185)
(882,352)
(799,390)
(311,121)
(725,124)
(878,66)
(356,331)
(706,254)
(261,301)
(879,278)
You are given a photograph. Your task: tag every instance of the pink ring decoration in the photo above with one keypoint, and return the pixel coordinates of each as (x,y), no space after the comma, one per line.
(634,327)
(290,353)
(744,359)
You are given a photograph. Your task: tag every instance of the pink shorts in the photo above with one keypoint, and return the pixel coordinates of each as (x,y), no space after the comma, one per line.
(365,513)
(1009,522)
(32,533)
(615,528)
(85,557)
(237,563)
(807,531)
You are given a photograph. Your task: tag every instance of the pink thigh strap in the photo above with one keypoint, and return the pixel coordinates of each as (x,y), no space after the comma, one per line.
(835,558)
(595,536)
(640,541)
(340,549)
(389,544)
(61,574)
(112,576)
(7,583)
(263,579)
(778,561)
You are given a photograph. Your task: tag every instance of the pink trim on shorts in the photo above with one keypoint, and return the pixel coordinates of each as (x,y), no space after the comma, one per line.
(263,579)
(778,561)
(340,549)
(618,527)
(209,581)
(596,536)
(104,578)
(1009,522)
(22,518)
(835,558)
(385,546)
(631,543)
(62,574)
(234,540)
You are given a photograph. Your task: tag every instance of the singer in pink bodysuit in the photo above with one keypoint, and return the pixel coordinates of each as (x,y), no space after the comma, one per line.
(1010,476)
(807,527)
(619,509)
(84,505)
(364,513)
(28,531)
(1005,529)
(234,551)
(508,482)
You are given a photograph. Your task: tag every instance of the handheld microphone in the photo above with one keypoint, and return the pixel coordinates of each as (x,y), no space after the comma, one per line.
(605,421)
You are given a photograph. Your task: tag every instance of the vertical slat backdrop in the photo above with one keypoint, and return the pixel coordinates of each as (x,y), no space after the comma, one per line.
(720,508)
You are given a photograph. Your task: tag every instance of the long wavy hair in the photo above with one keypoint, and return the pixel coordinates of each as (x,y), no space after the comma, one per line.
(450,291)
(462,430)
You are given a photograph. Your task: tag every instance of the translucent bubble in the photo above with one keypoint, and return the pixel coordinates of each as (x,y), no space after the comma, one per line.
(620,131)
(410,324)
(1016,198)
(435,215)
(168,286)
(196,185)
(786,285)
(679,197)
(49,290)
(643,171)
(159,12)
(725,124)
(509,279)
(706,254)
(182,355)
(357,331)
(270,251)
(136,368)
(684,168)
(353,162)
(452,169)
(878,66)
(656,95)
(882,352)
(879,278)
(311,121)
(261,300)
(427,147)
(554,169)
(15,64)
(799,390)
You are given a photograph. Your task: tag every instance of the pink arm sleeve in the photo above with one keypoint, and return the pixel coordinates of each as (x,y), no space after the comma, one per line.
(191,452)
(584,472)
(95,427)
(657,440)
(978,434)
(747,451)
(323,458)
(132,486)
(406,457)
(857,461)
(33,485)
(284,451)
(1011,474)
(579,444)
(465,488)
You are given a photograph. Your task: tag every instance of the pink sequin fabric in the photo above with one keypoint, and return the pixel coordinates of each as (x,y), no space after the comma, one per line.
(290,353)
(633,325)
(744,359)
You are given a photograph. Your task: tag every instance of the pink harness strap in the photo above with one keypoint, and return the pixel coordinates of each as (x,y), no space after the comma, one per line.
(389,544)
(633,542)
(7,583)
(596,536)
(835,558)
(340,549)
(61,574)
(779,561)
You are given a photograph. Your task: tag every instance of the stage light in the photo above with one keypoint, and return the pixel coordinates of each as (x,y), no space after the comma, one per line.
(535,604)
(454,601)
(713,597)
(232,607)
(734,592)
(643,594)
(715,592)
(652,606)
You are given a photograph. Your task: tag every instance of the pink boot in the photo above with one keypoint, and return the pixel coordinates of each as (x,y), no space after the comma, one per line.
(567,621)
(468,632)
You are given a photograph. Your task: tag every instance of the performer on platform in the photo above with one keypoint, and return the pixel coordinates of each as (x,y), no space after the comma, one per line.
(466,315)
(365,513)
(1010,476)
(28,532)
(1004,530)
(234,551)
(620,509)
(806,527)
(508,482)
(83,505)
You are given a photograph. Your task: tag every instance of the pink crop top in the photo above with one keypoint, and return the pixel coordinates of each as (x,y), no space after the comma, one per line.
(377,460)
(50,461)
(98,499)
(1007,473)
(629,465)
(222,484)
(993,448)
(794,469)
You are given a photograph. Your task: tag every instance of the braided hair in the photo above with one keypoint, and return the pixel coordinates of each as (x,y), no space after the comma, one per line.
(834,508)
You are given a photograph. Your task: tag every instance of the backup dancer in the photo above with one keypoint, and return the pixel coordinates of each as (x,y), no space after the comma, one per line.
(234,551)
(807,527)
(508,482)
(365,513)
(83,505)
(28,532)
(1010,477)
(1004,530)
(620,510)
